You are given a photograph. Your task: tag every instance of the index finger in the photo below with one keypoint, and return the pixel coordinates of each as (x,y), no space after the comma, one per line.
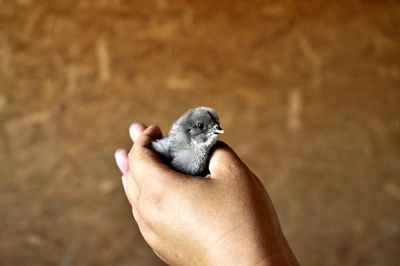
(140,153)
(147,136)
(145,163)
(146,166)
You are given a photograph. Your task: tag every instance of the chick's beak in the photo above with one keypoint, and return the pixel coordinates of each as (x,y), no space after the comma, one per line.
(218,130)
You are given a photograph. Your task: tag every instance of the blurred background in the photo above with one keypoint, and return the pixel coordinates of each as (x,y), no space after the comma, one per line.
(308,93)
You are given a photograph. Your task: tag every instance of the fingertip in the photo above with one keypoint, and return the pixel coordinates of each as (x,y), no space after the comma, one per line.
(135,130)
(121,159)
(119,151)
(148,135)
(153,132)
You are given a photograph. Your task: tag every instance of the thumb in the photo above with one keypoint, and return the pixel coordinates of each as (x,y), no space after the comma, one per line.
(224,161)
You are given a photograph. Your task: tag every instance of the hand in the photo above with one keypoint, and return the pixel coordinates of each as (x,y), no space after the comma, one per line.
(225,219)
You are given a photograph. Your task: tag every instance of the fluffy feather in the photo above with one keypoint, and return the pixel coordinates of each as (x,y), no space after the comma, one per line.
(188,145)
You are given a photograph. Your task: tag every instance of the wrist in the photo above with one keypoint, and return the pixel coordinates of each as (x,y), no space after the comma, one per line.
(242,252)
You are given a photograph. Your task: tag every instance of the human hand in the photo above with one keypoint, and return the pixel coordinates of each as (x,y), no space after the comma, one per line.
(225,219)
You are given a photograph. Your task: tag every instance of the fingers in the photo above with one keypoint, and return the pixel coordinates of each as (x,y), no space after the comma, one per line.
(121,158)
(147,136)
(146,167)
(140,154)
(121,155)
(144,163)
(135,129)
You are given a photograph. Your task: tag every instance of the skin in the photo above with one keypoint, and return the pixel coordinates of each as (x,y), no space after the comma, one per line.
(227,219)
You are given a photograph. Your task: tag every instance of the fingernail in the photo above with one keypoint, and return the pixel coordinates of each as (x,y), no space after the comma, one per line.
(135,130)
(121,158)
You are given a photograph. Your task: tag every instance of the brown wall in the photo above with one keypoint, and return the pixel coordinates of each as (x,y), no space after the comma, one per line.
(308,93)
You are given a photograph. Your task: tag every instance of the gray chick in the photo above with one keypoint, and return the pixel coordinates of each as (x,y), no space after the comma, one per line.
(188,145)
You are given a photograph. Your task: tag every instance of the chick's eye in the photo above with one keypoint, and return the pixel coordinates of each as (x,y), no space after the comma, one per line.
(200,125)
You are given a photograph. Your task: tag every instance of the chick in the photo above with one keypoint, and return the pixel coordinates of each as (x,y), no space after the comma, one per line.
(188,145)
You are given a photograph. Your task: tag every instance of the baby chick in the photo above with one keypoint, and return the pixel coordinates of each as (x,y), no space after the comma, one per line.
(187,146)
